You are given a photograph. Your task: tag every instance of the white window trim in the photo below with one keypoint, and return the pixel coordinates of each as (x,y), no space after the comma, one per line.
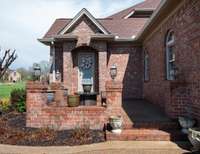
(169,44)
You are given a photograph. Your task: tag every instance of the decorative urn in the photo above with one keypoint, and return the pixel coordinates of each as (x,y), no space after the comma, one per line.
(186,123)
(87,85)
(194,137)
(116,124)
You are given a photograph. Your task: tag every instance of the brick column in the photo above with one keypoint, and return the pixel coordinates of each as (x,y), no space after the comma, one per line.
(101,47)
(68,65)
(36,99)
(102,70)
(114,94)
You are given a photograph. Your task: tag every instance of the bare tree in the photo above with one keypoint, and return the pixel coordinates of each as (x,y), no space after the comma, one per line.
(8,58)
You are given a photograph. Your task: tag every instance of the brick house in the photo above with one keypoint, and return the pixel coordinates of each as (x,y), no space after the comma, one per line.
(154,45)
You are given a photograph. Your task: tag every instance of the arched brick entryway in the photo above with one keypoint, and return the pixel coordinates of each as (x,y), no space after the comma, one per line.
(85,68)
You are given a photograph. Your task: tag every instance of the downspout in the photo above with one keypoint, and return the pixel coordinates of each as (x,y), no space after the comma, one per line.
(53,62)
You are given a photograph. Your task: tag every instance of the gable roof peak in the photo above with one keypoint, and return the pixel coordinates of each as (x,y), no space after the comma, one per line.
(78,16)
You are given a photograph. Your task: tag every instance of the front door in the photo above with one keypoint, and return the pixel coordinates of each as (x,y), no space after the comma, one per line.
(86,69)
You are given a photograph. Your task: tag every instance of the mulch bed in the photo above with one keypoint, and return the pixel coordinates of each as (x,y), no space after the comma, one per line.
(13,131)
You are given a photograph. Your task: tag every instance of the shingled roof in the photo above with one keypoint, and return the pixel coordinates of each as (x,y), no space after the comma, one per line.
(116,24)
(147,4)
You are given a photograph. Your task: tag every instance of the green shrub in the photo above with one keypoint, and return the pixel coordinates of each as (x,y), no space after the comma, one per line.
(21,106)
(18,99)
(5,104)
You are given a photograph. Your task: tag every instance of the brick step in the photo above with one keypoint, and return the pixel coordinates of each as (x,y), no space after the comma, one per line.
(152,125)
(146,135)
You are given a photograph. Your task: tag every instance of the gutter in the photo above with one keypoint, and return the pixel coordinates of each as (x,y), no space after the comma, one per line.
(57,38)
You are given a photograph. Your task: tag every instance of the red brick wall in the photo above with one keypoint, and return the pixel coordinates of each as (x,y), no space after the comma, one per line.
(126,56)
(128,59)
(84,28)
(185,24)
(40,114)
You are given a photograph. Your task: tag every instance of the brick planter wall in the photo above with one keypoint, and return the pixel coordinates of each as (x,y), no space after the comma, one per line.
(40,114)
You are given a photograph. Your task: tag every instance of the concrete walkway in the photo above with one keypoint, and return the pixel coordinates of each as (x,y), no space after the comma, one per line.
(119,147)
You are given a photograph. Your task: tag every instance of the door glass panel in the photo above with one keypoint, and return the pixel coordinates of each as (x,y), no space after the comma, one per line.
(86,69)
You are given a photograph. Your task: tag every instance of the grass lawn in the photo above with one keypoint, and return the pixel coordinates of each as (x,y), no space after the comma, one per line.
(6,88)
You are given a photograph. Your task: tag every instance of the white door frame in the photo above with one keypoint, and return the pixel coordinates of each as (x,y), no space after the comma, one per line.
(80,88)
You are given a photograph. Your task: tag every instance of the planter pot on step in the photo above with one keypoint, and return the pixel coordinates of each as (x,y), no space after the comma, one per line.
(73,100)
(194,137)
(87,88)
(186,123)
(116,124)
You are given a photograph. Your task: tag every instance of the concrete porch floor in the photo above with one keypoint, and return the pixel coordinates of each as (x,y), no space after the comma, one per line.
(144,111)
(143,121)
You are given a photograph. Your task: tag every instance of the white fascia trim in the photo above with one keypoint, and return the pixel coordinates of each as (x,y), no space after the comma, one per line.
(133,37)
(151,18)
(122,39)
(78,16)
(130,14)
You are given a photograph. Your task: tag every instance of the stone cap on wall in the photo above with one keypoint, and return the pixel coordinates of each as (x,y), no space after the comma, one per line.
(114,86)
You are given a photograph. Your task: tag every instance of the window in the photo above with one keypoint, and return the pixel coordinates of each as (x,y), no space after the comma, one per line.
(14,73)
(146,66)
(170,56)
(140,14)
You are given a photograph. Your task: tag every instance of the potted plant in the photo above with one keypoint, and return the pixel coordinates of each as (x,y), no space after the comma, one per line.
(194,137)
(87,85)
(116,124)
(73,100)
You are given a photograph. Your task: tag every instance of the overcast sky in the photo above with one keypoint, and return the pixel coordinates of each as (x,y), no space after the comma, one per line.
(23,21)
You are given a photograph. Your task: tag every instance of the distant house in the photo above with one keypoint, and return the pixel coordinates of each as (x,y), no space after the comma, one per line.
(14,76)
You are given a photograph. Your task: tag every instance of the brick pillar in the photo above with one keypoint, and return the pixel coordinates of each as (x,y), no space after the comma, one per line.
(102,70)
(36,99)
(114,94)
(101,47)
(68,65)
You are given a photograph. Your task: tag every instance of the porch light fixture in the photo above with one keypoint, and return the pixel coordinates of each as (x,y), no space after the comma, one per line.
(37,72)
(58,76)
(113,71)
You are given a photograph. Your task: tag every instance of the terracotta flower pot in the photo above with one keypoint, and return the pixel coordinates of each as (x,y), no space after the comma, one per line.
(73,100)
